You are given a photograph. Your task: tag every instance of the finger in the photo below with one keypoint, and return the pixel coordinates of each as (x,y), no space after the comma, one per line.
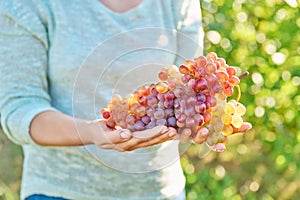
(244,128)
(107,146)
(185,135)
(201,135)
(135,142)
(150,133)
(118,136)
(170,135)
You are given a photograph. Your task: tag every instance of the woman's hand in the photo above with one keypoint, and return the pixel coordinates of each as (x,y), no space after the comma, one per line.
(124,140)
(201,135)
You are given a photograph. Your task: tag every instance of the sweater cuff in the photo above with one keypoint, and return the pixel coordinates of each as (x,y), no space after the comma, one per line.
(16,124)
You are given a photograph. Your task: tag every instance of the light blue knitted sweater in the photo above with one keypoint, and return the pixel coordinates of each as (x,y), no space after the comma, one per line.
(46,64)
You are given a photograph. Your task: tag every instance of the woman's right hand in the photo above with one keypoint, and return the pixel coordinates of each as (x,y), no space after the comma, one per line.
(124,140)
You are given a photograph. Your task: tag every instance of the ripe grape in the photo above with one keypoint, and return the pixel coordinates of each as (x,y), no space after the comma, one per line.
(191,98)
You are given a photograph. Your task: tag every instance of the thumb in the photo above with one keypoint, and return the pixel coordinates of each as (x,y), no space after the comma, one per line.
(118,136)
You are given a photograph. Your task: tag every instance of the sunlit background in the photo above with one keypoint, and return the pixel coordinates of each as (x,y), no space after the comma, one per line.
(262,37)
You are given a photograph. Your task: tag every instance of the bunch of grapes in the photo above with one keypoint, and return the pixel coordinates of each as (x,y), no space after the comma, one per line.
(192,96)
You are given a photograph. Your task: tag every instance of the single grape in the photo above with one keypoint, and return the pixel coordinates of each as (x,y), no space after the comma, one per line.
(190,122)
(161,122)
(163,75)
(201,85)
(180,124)
(171,122)
(146,119)
(181,118)
(191,83)
(227,130)
(172,84)
(178,92)
(111,123)
(185,78)
(169,96)
(212,55)
(159,114)
(176,103)
(169,112)
(168,103)
(210,68)
(105,113)
(130,119)
(160,97)
(116,99)
(162,87)
(222,76)
(191,100)
(200,61)
(234,81)
(236,121)
(207,117)
(161,105)
(152,101)
(150,111)
(139,126)
(189,111)
(200,107)
(184,69)
(199,119)
(231,71)
(140,111)
(240,109)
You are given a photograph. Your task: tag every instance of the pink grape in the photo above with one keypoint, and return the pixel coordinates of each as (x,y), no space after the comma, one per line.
(150,111)
(191,100)
(159,114)
(130,119)
(185,78)
(190,122)
(200,107)
(168,103)
(152,101)
(199,119)
(169,96)
(189,111)
(163,75)
(181,118)
(178,92)
(160,97)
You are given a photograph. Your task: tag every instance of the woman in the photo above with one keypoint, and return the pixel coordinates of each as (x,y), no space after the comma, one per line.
(44,103)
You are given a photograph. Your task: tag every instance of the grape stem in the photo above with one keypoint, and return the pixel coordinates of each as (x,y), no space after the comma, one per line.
(246,73)
(239,93)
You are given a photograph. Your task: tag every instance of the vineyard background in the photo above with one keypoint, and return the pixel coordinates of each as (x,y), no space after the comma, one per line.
(262,37)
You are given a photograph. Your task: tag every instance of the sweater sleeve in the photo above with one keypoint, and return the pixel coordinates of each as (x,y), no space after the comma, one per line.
(23,70)
(188,20)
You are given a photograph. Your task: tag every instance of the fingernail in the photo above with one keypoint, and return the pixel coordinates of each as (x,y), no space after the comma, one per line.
(125,134)
(164,129)
(172,134)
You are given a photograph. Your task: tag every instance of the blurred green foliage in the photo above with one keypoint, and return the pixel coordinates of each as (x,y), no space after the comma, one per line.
(262,37)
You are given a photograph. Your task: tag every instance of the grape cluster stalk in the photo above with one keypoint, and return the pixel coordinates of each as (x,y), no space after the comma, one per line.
(193,96)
